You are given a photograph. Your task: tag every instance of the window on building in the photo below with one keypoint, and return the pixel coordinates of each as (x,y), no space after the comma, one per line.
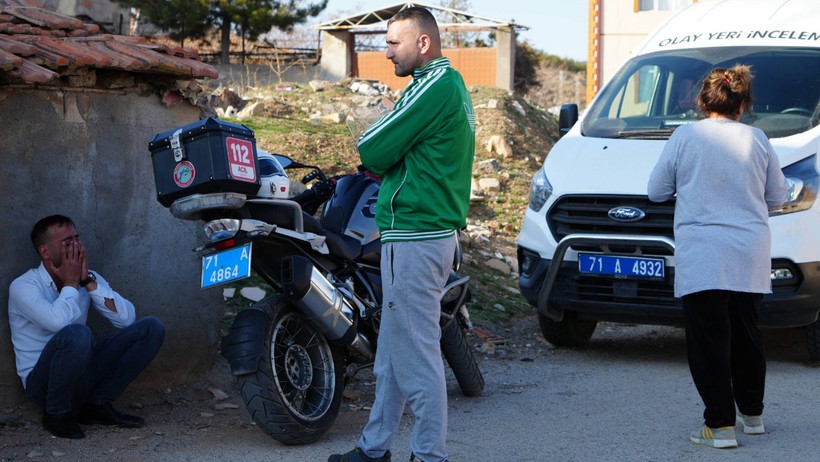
(661,5)
(646,5)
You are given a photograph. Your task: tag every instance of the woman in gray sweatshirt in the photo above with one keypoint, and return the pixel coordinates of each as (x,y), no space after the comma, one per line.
(726,176)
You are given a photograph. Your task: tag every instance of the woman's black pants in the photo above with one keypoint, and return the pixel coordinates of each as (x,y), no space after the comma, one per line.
(725,352)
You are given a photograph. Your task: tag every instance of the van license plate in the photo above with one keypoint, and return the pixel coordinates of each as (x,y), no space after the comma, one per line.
(621,266)
(226,266)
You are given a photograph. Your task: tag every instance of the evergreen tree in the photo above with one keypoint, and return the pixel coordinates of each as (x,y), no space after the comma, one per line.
(251,18)
(248,18)
(183,19)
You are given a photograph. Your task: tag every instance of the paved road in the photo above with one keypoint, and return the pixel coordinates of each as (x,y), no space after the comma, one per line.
(627,396)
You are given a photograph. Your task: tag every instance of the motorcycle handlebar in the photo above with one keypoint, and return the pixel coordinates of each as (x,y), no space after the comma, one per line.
(312,198)
(310,177)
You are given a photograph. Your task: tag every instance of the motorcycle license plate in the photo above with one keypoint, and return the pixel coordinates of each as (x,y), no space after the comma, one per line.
(621,266)
(226,266)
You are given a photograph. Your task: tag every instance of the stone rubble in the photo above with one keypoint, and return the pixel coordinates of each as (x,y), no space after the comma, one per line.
(489,176)
(253,294)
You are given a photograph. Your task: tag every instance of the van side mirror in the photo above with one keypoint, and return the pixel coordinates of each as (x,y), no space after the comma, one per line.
(567,118)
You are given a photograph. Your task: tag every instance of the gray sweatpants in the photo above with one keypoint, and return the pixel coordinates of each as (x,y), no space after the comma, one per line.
(409,368)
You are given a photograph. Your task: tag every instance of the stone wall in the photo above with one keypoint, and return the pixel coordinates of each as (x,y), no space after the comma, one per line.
(85,154)
(261,75)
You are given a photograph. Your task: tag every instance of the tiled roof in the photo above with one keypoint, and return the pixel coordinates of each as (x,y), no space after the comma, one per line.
(40,46)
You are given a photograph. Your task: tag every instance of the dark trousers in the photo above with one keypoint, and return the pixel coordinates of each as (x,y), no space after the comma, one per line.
(74,369)
(725,352)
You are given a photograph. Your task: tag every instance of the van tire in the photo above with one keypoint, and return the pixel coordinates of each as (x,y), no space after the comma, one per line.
(813,341)
(569,332)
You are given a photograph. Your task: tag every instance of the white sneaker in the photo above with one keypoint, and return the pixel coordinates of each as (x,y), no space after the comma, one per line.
(752,424)
(721,438)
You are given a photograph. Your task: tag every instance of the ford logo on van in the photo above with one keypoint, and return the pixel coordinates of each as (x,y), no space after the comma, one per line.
(626,214)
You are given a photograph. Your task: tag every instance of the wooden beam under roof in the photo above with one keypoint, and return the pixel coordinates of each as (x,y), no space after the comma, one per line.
(462,20)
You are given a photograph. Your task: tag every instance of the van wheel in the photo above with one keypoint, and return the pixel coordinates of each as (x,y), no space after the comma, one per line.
(813,341)
(570,332)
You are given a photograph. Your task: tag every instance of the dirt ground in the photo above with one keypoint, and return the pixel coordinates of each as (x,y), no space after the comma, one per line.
(640,369)
(207,412)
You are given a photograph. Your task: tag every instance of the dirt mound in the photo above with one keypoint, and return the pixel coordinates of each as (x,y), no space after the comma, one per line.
(512,139)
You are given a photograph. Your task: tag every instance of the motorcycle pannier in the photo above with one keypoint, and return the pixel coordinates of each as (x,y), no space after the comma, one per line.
(207,156)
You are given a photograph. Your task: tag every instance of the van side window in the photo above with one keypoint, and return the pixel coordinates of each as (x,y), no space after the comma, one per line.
(636,96)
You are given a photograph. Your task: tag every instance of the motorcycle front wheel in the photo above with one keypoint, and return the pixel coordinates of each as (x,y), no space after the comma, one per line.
(460,357)
(296,392)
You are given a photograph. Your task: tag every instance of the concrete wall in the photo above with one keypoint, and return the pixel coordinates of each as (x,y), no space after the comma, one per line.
(476,65)
(259,75)
(337,55)
(85,155)
(505,63)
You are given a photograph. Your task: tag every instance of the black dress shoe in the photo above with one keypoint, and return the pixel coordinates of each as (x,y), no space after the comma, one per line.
(105,414)
(62,425)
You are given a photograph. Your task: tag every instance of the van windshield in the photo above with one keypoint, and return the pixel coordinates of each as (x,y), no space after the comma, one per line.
(654,94)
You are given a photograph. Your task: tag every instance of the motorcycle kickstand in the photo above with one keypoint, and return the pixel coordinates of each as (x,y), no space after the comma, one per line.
(351,371)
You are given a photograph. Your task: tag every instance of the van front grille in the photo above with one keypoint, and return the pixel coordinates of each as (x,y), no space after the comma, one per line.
(588,214)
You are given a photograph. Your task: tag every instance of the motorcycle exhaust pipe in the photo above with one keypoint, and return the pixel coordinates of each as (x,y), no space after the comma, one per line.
(323,304)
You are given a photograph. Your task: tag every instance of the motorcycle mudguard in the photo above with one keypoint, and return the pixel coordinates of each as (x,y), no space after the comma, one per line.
(244,344)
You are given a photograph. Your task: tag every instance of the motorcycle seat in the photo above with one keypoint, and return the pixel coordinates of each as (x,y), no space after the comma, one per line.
(338,244)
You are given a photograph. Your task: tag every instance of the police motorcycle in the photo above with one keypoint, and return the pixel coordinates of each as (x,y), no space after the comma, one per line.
(293,352)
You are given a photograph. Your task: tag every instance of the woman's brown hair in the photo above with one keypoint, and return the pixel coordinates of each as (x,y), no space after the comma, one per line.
(726,91)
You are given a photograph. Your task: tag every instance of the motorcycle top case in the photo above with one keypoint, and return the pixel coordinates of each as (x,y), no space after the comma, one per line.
(207,156)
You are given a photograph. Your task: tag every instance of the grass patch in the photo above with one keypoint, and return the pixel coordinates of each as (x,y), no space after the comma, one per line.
(266,126)
(495,296)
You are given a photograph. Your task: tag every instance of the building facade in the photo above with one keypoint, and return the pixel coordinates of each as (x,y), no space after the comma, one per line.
(616,28)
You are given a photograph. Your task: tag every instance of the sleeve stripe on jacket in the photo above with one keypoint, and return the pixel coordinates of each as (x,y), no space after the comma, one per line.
(378,126)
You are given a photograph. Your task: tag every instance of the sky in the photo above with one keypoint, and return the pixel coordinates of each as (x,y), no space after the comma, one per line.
(558,27)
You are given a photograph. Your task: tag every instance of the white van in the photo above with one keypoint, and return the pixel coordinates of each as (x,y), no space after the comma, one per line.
(588,202)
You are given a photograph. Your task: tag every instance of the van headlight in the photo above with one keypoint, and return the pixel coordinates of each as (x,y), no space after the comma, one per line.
(540,190)
(803,186)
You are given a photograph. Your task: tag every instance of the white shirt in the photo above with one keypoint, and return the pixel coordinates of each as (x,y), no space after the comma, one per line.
(37,312)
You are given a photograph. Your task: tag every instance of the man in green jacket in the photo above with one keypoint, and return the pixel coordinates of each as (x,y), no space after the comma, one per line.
(424,151)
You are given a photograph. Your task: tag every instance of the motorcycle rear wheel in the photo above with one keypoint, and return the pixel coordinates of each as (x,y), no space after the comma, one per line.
(296,392)
(460,357)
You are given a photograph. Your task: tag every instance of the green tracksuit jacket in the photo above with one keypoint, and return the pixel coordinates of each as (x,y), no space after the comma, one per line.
(423,150)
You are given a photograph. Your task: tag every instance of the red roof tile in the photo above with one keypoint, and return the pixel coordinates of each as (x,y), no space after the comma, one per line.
(43,18)
(33,73)
(15,47)
(39,46)
(9,61)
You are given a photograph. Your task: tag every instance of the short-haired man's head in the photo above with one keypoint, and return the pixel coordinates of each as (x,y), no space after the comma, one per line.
(422,18)
(39,233)
(726,91)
